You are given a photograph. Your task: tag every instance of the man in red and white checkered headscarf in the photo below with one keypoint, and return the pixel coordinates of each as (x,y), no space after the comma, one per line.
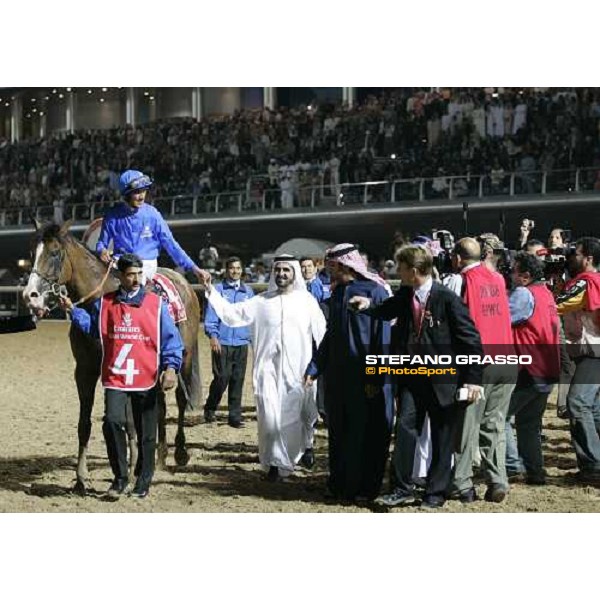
(349,256)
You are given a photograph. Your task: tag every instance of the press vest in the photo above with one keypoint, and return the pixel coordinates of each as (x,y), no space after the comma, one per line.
(487,301)
(130,337)
(539,336)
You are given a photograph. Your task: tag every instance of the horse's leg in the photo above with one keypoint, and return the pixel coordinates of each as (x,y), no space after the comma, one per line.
(85,379)
(133,448)
(161,446)
(182,456)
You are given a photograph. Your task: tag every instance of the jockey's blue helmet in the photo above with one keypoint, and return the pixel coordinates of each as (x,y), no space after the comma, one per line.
(133,181)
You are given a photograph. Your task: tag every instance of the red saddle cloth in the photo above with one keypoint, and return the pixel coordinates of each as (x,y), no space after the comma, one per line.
(165,287)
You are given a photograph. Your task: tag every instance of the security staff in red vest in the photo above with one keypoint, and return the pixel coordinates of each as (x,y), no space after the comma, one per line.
(484,293)
(141,348)
(536,331)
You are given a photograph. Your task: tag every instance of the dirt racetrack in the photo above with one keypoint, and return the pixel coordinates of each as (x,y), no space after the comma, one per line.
(38,429)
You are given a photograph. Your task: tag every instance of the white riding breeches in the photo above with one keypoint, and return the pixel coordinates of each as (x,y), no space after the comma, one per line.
(149,270)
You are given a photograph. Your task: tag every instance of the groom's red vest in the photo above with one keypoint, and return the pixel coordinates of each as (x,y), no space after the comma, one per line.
(130,343)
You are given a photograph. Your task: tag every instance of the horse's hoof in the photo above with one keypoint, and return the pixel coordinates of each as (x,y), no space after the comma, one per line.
(182,457)
(79,488)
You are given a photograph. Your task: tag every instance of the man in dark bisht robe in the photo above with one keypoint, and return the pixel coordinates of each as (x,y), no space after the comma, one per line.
(359,407)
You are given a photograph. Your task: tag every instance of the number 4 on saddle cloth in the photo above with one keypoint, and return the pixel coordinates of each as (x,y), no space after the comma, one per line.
(163,286)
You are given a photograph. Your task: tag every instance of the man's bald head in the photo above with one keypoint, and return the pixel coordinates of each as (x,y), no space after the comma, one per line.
(468,249)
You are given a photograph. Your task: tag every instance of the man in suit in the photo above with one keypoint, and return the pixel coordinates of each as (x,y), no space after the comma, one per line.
(431,320)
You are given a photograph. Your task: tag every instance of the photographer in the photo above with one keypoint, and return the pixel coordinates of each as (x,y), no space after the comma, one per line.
(555,273)
(484,294)
(495,256)
(559,238)
(527,226)
(554,255)
(535,247)
(535,328)
(580,307)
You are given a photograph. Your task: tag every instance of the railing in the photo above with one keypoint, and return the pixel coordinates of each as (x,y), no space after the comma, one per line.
(11,301)
(329,195)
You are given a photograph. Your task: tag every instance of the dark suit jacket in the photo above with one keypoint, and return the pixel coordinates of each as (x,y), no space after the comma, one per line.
(447,329)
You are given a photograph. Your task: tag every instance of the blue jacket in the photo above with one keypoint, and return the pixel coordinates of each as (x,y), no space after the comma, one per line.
(171,346)
(325,279)
(214,327)
(143,232)
(319,291)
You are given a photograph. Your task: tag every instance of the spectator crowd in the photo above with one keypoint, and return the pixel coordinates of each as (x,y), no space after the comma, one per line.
(399,134)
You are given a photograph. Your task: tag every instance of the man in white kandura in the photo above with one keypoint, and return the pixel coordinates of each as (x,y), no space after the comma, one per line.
(284,323)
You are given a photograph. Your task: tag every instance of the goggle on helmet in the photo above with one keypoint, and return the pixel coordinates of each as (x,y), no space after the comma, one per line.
(133,181)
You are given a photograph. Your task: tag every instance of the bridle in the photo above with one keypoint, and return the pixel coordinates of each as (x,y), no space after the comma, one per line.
(57,289)
(51,284)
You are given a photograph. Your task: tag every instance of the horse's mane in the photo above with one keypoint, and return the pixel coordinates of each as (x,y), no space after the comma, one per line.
(53,231)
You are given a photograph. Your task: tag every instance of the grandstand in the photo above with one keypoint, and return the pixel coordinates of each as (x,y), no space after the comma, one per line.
(225,157)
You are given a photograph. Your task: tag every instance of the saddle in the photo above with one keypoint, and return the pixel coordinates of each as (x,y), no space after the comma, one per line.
(164,287)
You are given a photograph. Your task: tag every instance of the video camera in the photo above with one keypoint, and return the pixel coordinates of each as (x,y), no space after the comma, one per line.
(443,261)
(555,260)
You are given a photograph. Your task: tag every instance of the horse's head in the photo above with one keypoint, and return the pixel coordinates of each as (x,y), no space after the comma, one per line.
(51,269)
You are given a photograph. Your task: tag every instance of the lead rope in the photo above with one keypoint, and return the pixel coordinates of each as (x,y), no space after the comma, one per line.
(96,290)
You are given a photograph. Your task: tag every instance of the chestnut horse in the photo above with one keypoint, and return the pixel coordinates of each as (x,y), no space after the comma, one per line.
(62,265)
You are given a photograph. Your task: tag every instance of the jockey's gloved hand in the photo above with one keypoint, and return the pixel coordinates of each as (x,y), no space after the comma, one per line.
(106,256)
(202,276)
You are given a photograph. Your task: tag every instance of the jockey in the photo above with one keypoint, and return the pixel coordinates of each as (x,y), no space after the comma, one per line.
(138,228)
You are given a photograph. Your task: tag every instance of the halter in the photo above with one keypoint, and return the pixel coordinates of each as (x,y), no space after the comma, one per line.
(58,289)
(54,287)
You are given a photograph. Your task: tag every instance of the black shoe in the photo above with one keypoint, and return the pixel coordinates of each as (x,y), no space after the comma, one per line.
(432,502)
(117,487)
(331,495)
(535,479)
(236,423)
(273,475)
(396,498)
(308,459)
(465,496)
(496,492)
(420,483)
(209,416)
(589,476)
(140,491)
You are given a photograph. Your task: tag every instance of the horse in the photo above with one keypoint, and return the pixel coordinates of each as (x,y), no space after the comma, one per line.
(62,265)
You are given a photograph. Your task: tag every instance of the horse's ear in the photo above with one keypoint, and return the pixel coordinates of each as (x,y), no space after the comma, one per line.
(64,228)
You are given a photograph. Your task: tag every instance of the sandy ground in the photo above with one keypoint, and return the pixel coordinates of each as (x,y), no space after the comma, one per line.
(38,429)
